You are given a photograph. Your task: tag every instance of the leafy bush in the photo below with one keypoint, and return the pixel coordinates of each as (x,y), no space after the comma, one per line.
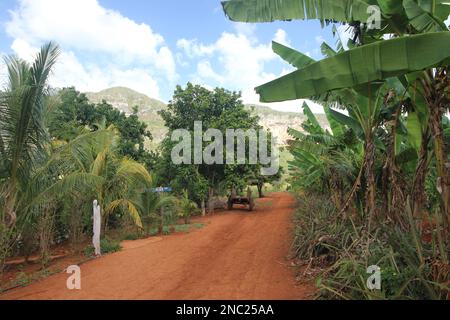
(106,245)
(411,268)
(132,237)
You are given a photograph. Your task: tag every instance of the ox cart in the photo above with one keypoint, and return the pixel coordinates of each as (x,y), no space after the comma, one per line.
(246,201)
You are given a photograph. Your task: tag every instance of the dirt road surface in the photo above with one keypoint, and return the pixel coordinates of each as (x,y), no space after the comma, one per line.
(236,255)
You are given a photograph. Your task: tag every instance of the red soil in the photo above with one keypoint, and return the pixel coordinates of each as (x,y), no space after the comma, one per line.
(237,255)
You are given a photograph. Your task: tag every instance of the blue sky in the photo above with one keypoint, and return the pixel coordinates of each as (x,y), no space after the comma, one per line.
(153,45)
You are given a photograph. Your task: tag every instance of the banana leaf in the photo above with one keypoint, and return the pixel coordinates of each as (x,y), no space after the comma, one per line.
(336,127)
(424,20)
(293,57)
(271,10)
(376,61)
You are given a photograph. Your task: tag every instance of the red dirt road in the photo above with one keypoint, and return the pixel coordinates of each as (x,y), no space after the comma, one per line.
(237,255)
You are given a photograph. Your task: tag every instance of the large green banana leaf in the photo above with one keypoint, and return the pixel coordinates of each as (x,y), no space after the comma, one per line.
(336,127)
(327,51)
(414,130)
(271,10)
(312,125)
(293,57)
(376,61)
(427,16)
(397,16)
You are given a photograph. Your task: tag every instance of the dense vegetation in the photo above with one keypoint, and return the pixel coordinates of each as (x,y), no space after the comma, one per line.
(60,152)
(374,190)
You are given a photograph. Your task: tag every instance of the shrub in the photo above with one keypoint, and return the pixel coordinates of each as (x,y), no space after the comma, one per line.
(131,237)
(411,268)
(106,245)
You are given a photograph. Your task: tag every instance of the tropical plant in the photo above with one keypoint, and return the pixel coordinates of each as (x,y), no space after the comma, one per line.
(365,67)
(91,165)
(23,143)
(23,135)
(392,83)
(187,207)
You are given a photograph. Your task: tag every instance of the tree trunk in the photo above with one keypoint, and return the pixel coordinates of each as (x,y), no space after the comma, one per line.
(392,186)
(260,190)
(161,221)
(10,217)
(418,191)
(45,228)
(353,191)
(437,98)
(443,168)
(370,177)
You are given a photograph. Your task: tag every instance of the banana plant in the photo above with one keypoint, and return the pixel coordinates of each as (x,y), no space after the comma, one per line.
(365,107)
(397,16)
(421,43)
(322,159)
(361,65)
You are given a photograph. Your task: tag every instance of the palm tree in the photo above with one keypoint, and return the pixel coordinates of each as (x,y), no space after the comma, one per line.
(90,167)
(23,136)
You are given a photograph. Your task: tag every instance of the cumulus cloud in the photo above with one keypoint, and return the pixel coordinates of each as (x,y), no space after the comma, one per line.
(239,61)
(70,71)
(84,27)
(282,37)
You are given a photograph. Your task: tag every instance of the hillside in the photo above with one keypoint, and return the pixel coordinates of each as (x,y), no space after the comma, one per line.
(125,99)
(279,122)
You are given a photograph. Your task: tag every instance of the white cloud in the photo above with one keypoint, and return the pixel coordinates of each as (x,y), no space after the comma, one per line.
(205,71)
(69,71)
(238,61)
(85,25)
(192,48)
(241,59)
(282,37)
(85,28)
(247,29)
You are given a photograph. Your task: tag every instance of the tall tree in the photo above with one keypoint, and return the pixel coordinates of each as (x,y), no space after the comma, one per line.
(23,135)
(216,109)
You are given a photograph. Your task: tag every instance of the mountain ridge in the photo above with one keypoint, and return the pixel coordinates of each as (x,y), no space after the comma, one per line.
(124,99)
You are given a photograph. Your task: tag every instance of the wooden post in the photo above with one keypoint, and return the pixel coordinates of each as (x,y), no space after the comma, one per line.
(97,228)
(210,201)
(203,208)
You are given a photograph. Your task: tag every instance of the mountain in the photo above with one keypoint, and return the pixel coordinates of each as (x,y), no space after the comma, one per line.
(125,99)
(278,122)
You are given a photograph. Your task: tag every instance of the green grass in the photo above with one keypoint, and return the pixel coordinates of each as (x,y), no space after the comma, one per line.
(107,246)
(167,230)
